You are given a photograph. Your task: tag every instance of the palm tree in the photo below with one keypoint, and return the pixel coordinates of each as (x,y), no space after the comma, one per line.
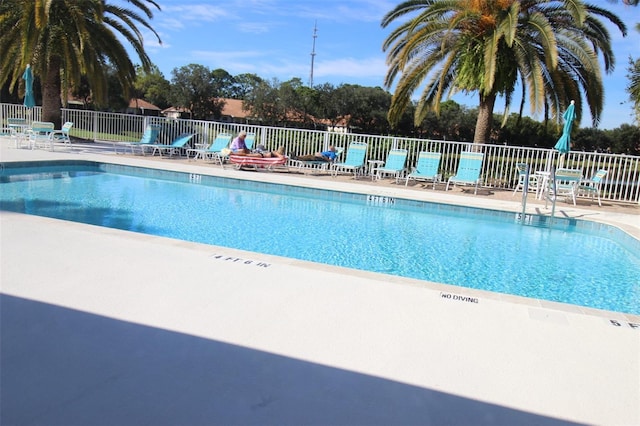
(66,39)
(549,47)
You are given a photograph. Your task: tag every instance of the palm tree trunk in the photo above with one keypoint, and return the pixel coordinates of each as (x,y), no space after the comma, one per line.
(51,105)
(485,119)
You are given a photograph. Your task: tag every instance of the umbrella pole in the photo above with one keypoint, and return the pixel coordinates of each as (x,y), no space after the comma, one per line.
(525,191)
(553,187)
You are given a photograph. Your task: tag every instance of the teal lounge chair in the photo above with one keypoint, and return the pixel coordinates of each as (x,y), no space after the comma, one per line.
(394,165)
(354,163)
(149,138)
(427,168)
(591,187)
(468,172)
(213,151)
(174,147)
(250,140)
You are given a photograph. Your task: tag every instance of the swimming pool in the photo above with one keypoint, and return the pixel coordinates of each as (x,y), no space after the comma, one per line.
(573,261)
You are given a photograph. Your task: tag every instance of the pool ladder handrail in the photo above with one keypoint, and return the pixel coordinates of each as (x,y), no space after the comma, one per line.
(525,190)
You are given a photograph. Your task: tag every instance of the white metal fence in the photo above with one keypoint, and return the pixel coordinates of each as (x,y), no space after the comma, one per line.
(622,182)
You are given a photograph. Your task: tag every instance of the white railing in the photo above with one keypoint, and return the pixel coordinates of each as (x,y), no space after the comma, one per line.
(621,184)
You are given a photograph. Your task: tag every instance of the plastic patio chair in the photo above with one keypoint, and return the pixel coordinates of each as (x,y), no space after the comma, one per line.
(591,187)
(175,146)
(356,153)
(427,168)
(469,169)
(314,166)
(148,139)
(522,174)
(565,185)
(40,134)
(62,135)
(213,151)
(394,165)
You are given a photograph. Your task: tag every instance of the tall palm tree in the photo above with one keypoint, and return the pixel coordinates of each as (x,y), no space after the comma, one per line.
(634,83)
(549,47)
(66,39)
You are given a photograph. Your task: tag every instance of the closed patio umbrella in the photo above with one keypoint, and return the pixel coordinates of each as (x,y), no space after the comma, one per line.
(29,98)
(563,146)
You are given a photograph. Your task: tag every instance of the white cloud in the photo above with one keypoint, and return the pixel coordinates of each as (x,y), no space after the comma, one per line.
(350,67)
(191,12)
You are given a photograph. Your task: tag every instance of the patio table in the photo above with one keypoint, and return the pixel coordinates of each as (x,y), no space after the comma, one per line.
(543,179)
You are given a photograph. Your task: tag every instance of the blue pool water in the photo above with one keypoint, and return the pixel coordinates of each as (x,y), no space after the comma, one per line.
(572,261)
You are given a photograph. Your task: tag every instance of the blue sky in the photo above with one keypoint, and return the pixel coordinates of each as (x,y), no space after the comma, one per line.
(274,38)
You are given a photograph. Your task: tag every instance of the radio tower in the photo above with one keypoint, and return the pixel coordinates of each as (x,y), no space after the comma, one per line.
(313,52)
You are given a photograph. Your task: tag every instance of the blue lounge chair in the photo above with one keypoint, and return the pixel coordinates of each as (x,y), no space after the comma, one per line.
(394,165)
(468,172)
(148,139)
(175,146)
(250,140)
(427,168)
(354,163)
(591,187)
(213,151)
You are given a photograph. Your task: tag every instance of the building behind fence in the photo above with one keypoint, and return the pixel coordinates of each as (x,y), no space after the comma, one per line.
(621,184)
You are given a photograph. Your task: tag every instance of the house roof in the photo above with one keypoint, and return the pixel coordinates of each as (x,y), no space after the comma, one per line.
(174,109)
(233,108)
(142,104)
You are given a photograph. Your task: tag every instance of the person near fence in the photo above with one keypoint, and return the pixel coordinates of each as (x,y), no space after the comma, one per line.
(329,155)
(238,146)
(261,153)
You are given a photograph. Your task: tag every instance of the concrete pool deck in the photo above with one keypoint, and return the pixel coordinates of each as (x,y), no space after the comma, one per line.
(100,326)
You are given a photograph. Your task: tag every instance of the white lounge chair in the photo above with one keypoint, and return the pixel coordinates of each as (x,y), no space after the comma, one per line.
(522,176)
(591,187)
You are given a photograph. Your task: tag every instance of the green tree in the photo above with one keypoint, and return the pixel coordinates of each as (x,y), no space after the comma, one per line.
(634,79)
(192,88)
(550,48)
(327,107)
(634,86)
(152,86)
(625,140)
(244,84)
(65,39)
(367,109)
(223,83)
(591,139)
(454,122)
(264,103)
(308,105)
(290,103)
